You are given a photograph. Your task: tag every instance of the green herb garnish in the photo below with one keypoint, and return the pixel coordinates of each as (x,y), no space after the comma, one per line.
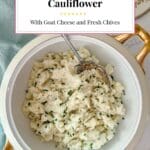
(70,92)
(124,93)
(29,103)
(80,87)
(45,122)
(91,146)
(65,111)
(43,103)
(112,77)
(51,113)
(98,87)
(35,84)
(45,90)
(38,75)
(87,80)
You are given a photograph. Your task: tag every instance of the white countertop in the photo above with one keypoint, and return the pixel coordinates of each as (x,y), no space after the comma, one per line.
(134,45)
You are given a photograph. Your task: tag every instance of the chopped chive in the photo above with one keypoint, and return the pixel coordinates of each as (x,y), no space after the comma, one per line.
(29,103)
(35,84)
(45,90)
(70,92)
(112,77)
(98,86)
(87,80)
(46,112)
(61,104)
(111,115)
(51,113)
(53,57)
(49,69)
(124,93)
(39,132)
(116,97)
(45,122)
(38,75)
(91,146)
(43,103)
(80,87)
(65,111)
(56,145)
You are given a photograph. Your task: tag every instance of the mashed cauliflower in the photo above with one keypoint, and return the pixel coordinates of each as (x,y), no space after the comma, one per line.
(77,111)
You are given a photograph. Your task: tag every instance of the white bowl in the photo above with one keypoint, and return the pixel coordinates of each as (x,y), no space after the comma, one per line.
(127,71)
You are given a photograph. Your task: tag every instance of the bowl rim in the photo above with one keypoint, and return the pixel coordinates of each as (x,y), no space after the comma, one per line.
(35,42)
(142,8)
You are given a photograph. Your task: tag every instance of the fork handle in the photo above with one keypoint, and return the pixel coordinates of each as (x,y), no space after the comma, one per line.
(71,46)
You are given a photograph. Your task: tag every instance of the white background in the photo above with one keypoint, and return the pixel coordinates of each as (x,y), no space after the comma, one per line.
(121,10)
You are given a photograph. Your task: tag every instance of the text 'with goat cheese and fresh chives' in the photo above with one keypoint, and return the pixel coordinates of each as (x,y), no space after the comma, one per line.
(74,16)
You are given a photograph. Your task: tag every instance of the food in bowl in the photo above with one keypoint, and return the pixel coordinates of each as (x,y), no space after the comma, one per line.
(77,111)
